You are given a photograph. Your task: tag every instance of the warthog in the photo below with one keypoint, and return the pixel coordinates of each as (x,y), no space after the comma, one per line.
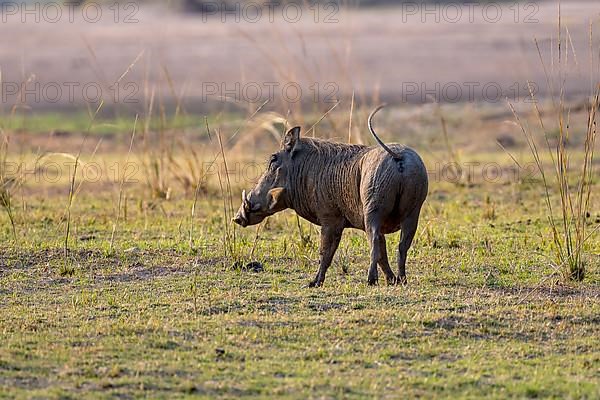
(378,189)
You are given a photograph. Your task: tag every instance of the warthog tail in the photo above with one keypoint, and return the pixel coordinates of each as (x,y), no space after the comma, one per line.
(379,141)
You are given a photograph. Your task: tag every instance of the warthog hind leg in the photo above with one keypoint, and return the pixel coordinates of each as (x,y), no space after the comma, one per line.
(375,239)
(384,263)
(409,228)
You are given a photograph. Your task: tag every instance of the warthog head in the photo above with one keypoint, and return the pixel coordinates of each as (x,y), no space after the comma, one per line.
(269,194)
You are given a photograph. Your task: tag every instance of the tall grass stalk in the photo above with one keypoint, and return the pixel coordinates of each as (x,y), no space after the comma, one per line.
(573,183)
(205,171)
(122,186)
(350,119)
(569,227)
(153,161)
(69,207)
(227,195)
(73,191)
(312,128)
(197,188)
(452,155)
(9,181)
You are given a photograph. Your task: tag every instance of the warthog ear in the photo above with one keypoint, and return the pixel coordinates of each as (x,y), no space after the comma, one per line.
(277,201)
(291,139)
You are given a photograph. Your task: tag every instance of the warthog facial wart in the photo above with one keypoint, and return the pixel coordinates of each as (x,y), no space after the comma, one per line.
(377,189)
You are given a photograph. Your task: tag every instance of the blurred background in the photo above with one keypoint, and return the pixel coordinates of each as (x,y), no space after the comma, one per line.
(203,56)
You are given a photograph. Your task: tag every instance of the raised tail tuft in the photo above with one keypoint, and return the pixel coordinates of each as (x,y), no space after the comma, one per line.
(379,141)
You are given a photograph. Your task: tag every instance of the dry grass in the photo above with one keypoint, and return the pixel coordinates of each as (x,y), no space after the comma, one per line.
(573,182)
(156,305)
(10,179)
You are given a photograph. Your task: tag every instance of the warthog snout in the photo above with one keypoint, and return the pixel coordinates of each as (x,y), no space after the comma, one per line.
(254,209)
(241,220)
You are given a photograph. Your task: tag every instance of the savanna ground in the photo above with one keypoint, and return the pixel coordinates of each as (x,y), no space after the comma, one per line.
(149,293)
(485,312)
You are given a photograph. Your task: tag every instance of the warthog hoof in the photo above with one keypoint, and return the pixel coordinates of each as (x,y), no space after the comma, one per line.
(315,284)
(373,277)
(372,282)
(401,280)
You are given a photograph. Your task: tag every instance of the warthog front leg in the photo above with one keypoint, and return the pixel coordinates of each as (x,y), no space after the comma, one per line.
(330,239)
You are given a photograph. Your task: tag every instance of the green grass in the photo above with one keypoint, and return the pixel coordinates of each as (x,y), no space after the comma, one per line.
(106,124)
(482,315)
(485,313)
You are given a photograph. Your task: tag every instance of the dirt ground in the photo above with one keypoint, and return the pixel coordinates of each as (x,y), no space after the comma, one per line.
(399,54)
